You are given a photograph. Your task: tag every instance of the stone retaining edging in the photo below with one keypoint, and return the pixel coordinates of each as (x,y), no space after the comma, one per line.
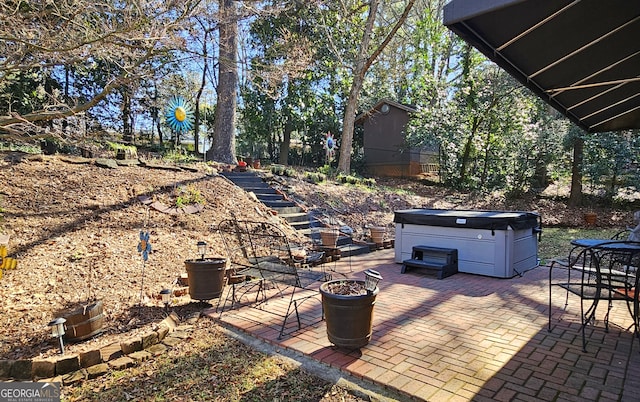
(71,368)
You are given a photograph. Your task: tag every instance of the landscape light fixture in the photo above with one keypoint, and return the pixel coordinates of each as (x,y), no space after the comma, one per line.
(57,331)
(372,278)
(165,294)
(202,249)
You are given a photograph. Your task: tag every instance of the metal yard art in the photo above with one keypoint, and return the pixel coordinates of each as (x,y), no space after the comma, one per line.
(179,114)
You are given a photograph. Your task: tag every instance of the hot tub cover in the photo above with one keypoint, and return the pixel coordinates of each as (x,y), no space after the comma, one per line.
(474,219)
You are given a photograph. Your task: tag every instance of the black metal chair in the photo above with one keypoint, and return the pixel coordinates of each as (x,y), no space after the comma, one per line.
(605,271)
(261,251)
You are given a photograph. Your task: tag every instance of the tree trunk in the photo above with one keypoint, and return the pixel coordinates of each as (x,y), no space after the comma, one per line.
(466,156)
(155,115)
(575,198)
(485,167)
(283,157)
(224,141)
(127,137)
(203,83)
(363,62)
(158,125)
(196,113)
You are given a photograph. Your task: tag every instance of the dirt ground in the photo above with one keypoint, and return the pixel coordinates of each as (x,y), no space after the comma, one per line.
(74,228)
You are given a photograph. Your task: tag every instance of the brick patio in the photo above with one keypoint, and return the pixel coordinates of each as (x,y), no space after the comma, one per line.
(466,337)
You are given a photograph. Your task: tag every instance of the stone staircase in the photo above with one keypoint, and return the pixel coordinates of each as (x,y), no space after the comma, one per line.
(303,221)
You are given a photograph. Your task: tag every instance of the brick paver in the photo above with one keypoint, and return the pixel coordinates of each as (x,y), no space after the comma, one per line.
(466,337)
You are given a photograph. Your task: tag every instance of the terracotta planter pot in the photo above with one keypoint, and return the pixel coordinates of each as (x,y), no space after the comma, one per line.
(590,218)
(329,237)
(349,318)
(206,278)
(377,234)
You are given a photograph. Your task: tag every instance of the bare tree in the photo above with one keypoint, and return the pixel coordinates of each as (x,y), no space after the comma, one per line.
(364,59)
(36,35)
(207,28)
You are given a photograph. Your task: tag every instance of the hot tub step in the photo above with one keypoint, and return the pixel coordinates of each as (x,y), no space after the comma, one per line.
(443,270)
(442,260)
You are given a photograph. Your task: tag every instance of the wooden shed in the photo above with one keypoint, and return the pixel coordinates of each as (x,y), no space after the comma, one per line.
(385,148)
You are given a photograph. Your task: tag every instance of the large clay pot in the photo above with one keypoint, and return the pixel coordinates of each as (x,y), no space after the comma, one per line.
(349,318)
(84,322)
(590,218)
(377,234)
(206,278)
(329,237)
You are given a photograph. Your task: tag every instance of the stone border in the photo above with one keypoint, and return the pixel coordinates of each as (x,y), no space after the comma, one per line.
(72,368)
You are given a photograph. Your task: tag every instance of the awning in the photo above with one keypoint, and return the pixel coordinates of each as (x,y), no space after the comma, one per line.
(582,57)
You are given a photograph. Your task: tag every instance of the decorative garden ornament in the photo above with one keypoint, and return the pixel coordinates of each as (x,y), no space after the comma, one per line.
(330,146)
(179,114)
(144,246)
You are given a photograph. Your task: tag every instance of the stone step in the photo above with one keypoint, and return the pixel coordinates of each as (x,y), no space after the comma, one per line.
(242,182)
(282,210)
(241,175)
(279,204)
(260,190)
(269,196)
(244,179)
(288,210)
(299,225)
(257,188)
(353,249)
(296,217)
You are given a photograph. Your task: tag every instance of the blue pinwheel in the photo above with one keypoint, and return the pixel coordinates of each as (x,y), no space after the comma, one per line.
(179,114)
(330,145)
(144,246)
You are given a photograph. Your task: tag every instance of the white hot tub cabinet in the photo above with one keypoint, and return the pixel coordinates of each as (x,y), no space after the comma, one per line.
(493,243)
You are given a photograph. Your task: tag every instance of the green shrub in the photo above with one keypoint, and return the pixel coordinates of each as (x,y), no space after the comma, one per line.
(27,148)
(369,182)
(179,155)
(327,170)
(186,195)
(116,146)
(347,179)
(314,177)
(277,169)
(311,177)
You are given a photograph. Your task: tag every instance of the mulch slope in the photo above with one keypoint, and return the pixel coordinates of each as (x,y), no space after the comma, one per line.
(75,228)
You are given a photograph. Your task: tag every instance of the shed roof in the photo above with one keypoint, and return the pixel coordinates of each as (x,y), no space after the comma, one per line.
(580,56)
(376,108)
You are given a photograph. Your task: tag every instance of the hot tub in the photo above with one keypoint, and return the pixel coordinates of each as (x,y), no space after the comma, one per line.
(501,244)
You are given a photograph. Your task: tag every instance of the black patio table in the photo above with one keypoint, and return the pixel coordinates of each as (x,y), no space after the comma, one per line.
(607,270)
(607,244)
